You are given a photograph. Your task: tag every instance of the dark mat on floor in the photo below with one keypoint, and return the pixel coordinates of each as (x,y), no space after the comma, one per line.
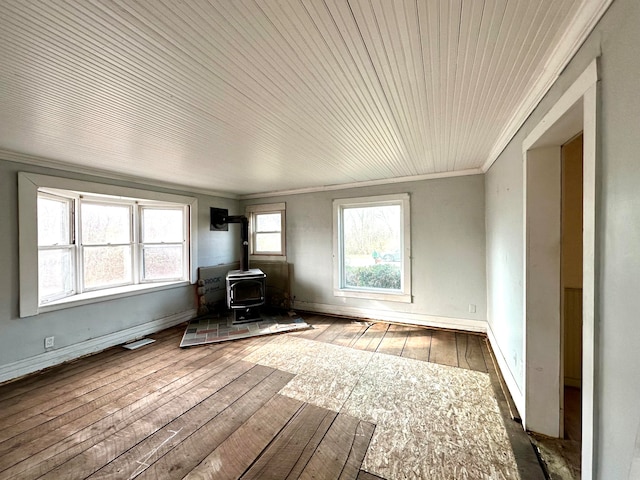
(214,329)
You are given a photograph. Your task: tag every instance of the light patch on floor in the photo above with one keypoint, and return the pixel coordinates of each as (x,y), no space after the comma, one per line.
(325,373)
(432,421)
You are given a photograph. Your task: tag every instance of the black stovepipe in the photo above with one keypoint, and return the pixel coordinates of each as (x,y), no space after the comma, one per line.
(244,237)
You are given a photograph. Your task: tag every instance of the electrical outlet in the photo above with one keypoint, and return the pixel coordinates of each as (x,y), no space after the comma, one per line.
(472,308)
(48,342)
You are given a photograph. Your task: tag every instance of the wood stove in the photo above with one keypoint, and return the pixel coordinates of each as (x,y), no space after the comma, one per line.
(245,294)
(245,287)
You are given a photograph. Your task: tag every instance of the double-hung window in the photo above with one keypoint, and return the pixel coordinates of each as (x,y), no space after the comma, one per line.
(94,241)
(372,247)
(105,236)
(162,236)
(56,247)
(267,229)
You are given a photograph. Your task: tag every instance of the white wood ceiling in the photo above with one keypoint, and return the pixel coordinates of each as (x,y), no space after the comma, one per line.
(248,96)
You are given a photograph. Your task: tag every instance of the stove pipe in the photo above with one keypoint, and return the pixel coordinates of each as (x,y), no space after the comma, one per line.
(244,238)
(220,218)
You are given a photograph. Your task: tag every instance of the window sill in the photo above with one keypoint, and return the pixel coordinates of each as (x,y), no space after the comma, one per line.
(374,295)
(268,258)
(108,294)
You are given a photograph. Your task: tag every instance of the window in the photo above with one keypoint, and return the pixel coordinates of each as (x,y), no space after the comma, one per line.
(95,240)
(56,249)
(162,240)
(106,244)
(267,229)
(372,248)
(114,242)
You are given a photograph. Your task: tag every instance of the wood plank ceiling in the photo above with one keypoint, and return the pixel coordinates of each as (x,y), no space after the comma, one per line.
(249,96)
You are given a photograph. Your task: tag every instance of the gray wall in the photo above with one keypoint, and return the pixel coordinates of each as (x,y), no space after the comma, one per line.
(22,338)
(504,226)
(447,246)
(617,40)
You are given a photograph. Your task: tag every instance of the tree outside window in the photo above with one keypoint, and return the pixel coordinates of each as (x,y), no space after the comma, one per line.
(372,247)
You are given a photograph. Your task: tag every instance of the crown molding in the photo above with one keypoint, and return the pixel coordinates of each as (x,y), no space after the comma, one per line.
(58,165)
(583,23)
(370,183)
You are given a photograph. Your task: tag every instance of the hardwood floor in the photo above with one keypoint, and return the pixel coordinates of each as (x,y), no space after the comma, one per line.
(464,350)
(206,412)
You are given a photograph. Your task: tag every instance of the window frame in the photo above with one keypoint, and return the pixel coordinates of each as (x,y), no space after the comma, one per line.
(142,243)
(82,246)
(252,211)
(29,186)
(339,288)
(69,246)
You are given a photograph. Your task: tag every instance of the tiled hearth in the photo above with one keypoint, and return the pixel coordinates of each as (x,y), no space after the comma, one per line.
(214,329)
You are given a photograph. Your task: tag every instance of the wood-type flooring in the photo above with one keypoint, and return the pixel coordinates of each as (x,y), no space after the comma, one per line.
(161,412)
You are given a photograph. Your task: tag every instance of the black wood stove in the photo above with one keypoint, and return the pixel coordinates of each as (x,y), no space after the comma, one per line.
(245,287)
(245,294)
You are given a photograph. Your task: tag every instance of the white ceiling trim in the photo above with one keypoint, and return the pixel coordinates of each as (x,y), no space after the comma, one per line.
(583,23)
(57,165)
(370,183)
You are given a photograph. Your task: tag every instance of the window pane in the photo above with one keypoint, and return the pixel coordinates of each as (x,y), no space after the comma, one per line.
(268,222)
(162,225)
(268,242)
(372,247)
(104,223)
(55,273)
(53,221)
(106,266)
(162,262)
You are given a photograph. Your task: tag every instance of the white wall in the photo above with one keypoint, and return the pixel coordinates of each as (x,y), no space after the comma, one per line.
(448,252)
(617,40)
(505,260)
(80,328)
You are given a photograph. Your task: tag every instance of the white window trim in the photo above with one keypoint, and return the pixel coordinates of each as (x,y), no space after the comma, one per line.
(338,290)
(268,208)
(70,243)
(89,200)
(28,185)
(142,244)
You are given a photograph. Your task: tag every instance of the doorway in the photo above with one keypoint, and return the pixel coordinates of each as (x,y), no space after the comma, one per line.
(544,379)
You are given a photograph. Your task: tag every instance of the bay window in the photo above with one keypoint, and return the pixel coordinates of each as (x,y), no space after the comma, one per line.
(95,240)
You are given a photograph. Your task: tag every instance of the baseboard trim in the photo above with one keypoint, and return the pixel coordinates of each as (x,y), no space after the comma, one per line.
(55,357)
(509,379)
(462,324)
